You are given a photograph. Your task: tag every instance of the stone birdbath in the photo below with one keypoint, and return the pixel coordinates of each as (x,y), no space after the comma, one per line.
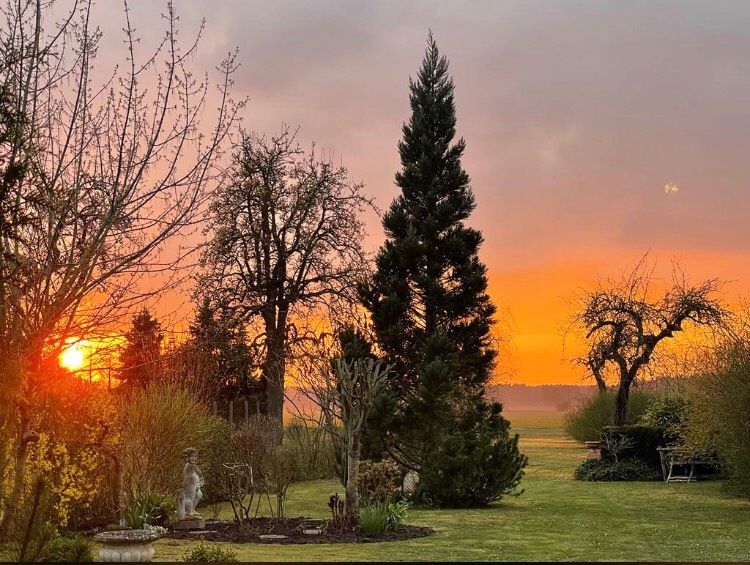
(127,545)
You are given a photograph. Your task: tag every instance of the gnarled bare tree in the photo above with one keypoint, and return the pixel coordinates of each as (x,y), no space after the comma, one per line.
(342,378)
(286,240)
(94,178)
(624,322)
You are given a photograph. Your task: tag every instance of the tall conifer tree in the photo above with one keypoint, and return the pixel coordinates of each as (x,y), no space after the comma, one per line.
(141,357)
(219,343)
(429,303)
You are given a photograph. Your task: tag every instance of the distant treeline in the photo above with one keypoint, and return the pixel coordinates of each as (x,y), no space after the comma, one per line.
(513,397)
(558,398)
(539,397)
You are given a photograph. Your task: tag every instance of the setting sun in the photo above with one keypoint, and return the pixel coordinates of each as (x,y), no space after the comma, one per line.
(72,357)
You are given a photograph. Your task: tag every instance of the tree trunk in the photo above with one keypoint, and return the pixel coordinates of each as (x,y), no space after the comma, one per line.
(621,404)
(352,473)
(119,481)
(25,436)
(600,383)
(273,374)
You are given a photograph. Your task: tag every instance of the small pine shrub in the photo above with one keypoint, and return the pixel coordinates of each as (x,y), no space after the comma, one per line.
(73,549)
(378,481)
(373,519)
(478,462)
(205,553)
(588,419)
(630,470)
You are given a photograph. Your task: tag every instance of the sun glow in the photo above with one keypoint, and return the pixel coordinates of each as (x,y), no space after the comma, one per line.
(72,357)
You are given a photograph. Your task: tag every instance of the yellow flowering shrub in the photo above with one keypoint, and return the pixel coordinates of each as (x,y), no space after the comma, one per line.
(77,439)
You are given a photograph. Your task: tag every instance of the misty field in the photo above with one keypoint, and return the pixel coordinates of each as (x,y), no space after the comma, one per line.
(556,518)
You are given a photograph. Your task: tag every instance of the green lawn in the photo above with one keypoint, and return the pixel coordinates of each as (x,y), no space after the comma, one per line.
(556,518)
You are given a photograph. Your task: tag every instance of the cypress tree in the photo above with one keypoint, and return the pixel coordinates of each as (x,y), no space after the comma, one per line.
(223,355)
(431,311)
(141,357)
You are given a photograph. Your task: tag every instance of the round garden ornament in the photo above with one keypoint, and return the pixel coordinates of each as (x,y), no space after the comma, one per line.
(127,545)
(411,480)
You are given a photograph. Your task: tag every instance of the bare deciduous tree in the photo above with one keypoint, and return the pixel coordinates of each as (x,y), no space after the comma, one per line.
(624,323)
(285,240)
(344,390)
(94,178)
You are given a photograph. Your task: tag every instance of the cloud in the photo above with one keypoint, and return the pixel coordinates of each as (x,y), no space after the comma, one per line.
(573,112)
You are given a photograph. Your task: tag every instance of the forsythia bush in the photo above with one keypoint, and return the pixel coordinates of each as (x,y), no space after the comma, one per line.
(76,440)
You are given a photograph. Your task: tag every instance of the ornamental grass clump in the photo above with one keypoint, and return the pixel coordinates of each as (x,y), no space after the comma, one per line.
(377,519)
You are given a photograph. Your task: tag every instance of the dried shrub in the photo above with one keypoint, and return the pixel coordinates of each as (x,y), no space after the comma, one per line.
(314,448)
(255,441)
(341,520)
(281,471)
(158,423)
(378,481)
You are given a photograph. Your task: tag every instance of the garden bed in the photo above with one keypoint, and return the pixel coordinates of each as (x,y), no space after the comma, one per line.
(250,532)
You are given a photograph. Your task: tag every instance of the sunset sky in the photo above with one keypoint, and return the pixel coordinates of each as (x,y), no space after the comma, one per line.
(576,117)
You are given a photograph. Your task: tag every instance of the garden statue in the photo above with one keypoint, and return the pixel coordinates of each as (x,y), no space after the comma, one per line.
(190,494)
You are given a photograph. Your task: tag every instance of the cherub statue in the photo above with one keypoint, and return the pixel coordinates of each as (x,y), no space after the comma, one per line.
(192,481)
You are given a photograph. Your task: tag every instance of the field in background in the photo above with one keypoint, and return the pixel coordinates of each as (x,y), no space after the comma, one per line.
(556,518)
(534,419)
(532,406)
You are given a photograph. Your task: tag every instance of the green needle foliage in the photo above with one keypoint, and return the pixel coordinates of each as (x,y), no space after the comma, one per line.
(432,314)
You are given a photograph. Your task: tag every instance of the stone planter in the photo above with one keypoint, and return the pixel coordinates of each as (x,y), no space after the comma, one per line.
(594,448)
(312,526)
(127,545)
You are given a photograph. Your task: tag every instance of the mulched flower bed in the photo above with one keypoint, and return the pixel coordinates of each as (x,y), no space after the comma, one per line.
(249,532)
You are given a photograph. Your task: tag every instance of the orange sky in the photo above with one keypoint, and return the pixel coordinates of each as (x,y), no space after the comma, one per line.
(576,117)
(539,300)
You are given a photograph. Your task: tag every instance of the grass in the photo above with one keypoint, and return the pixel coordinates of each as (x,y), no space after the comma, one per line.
(556,518)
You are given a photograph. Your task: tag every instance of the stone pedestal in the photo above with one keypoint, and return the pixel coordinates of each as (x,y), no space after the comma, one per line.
(135,553)
(195,523)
